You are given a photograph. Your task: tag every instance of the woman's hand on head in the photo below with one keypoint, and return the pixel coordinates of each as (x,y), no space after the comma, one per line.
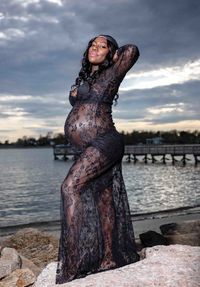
(74,92)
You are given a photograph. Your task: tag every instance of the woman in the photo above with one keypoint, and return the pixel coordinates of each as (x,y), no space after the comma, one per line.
(96,228)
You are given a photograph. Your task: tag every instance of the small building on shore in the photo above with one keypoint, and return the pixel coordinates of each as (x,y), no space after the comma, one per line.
(155,140)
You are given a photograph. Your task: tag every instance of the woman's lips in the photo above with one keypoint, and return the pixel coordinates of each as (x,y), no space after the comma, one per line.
(93,54)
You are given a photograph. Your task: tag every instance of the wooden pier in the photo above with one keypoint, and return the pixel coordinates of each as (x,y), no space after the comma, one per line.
(148,152)
(63,151)
(133,151)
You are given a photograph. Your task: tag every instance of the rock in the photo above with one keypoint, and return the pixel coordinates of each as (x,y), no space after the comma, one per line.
(189,226)
(152,238)
(25,277)
(169,228)
(187,232)
(192,239)
(164,266)
(19,278)
(39,247)
(26,263)
(9,261)
(9,281)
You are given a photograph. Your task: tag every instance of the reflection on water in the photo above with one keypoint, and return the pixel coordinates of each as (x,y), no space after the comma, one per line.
(160,187)
(30,185)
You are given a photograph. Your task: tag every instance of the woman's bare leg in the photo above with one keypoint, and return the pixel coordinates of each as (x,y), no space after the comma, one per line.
(107,216)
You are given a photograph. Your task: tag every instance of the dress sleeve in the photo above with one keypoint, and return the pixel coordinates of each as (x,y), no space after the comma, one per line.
(127,56)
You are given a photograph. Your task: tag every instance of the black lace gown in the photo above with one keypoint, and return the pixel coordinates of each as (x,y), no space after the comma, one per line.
(96,228)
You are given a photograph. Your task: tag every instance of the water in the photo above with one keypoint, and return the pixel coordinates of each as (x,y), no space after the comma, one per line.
(30,185)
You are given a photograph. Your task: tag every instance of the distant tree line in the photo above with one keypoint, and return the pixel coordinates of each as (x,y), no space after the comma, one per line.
(49,139)
(166,137)
(130,138)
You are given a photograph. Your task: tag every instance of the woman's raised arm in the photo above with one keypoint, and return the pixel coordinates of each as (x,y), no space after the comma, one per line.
(124,58)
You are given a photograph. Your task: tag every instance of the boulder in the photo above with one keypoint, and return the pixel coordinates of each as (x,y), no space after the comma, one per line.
(26,263)
(19,278)
(186,232)
(152,238)
(192,239)
(165,266)
(9,261)
(189,226)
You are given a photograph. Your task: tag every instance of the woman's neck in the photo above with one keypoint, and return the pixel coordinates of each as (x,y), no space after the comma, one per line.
(94,68)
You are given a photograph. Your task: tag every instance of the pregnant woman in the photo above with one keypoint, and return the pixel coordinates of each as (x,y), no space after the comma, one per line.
(96,228)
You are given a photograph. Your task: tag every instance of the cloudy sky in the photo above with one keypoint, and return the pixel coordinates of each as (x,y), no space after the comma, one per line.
(42,42)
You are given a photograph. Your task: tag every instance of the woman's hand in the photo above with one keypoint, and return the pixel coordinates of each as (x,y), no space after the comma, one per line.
(73,91)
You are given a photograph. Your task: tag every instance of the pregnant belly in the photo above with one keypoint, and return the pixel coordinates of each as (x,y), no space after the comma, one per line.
(80,125)
(84,123)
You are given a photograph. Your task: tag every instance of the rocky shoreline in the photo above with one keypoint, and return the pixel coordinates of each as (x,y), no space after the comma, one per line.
(29,257)
(24,255)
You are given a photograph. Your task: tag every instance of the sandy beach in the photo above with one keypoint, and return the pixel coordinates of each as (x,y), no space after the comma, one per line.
(141,223)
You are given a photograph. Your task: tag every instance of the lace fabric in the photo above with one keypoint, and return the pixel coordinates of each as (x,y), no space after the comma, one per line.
(96,228)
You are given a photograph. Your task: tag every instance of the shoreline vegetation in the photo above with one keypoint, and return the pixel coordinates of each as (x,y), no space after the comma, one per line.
(130,138)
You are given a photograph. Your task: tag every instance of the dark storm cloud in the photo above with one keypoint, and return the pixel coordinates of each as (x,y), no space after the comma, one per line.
(135,105)
(187,92)
(47,57)
(165,31)
(41,46)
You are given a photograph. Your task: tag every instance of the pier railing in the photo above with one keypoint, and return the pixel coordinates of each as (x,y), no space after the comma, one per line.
(163,149)
(63,151)
(133,151)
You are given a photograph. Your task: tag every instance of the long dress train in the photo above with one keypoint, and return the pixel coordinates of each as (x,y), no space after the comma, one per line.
(96,228)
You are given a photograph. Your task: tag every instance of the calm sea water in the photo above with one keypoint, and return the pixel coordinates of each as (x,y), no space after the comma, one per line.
(30,182)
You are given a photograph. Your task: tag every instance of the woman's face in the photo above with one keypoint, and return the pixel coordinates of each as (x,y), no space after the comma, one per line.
(98,51)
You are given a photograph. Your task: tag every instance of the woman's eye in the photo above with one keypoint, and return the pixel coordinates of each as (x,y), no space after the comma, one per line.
(100,46)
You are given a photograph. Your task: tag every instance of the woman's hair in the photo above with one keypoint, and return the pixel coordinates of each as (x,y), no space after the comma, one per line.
(84,74)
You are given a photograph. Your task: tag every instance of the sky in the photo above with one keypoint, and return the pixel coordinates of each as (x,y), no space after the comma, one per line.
(41,47)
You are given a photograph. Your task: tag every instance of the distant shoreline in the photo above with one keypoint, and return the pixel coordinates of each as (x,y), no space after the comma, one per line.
(23,147)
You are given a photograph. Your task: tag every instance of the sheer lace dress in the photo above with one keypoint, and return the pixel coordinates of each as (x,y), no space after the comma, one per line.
(96,228)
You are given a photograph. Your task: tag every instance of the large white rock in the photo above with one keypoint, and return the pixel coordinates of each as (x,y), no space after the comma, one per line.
(163,266)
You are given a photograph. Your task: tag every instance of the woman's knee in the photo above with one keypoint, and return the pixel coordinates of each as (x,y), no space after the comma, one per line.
(68,186)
